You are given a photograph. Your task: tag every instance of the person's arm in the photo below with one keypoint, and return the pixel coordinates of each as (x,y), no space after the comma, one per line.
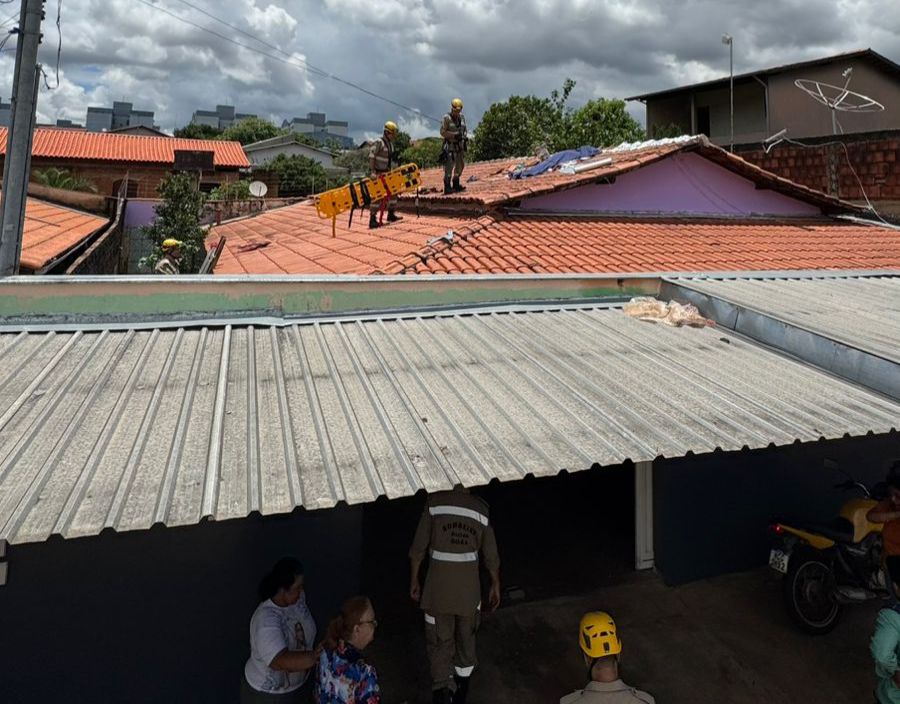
(368,691)
(882,513)
(372,151)
(295,660)
(417,553)
(884,643)
(274,650)
(492,564)
(448,131)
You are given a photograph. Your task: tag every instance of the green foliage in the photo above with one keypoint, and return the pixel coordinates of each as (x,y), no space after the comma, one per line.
(194,131)
(250,130)
(424,152)
(356,161)
(518,126)
(178,217)
(600,123)
(60,178)
(401,142)
(235,190)
(298,175)
(673,129)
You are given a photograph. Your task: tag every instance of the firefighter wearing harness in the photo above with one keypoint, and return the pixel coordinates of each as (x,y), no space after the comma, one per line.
(381,155)
(453,532)
(456,140)
(600,647)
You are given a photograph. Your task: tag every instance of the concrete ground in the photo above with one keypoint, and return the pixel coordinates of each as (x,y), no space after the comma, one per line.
(722,640)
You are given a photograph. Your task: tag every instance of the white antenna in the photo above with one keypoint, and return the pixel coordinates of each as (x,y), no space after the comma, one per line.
(258,189)
(837,99)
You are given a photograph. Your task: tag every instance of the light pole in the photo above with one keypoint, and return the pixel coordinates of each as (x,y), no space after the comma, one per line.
(727,39)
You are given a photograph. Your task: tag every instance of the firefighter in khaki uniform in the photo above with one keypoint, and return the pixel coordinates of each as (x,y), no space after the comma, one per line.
(600,644)
(453,130)
(453,530)
(381,154)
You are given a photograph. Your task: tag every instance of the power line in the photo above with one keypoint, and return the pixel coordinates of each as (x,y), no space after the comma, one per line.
(292,61)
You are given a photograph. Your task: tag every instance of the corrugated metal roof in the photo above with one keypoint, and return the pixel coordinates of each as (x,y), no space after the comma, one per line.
(860,312)
(125,429)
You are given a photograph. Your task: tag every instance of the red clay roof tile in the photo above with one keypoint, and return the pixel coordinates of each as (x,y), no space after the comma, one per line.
(52,230)
(106,146)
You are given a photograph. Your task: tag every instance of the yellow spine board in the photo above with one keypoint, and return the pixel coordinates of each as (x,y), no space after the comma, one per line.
(332,203)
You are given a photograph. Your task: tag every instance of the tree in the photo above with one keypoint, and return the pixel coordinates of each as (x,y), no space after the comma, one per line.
(516,127)
(195,131)
(298,175)
(233,190)
(356,161)
(178,217)
(60,178)
(424,152)
(250,130)
(401,142)
(601,123)
(672,129)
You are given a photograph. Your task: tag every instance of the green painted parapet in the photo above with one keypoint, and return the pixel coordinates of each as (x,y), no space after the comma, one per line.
(27,302)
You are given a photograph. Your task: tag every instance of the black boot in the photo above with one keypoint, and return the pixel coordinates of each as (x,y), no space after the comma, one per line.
(457,187)
(393,217)
(462,690)
(441,696)
(373,221)
(447,189)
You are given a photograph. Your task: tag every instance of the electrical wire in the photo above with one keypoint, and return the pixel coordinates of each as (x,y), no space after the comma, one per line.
(849,163)
(291,61)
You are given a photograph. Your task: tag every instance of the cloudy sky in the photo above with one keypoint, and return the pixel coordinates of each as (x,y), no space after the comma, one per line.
(419,53)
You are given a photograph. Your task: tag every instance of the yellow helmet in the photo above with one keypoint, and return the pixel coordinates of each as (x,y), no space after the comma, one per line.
(390,126)
(171,243)
(456,104)
(597,635)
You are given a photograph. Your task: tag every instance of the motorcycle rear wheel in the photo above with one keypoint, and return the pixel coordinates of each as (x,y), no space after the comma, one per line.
(808,590)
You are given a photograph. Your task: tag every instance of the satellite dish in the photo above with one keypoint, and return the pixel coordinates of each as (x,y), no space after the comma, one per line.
(258,189)
(836,98)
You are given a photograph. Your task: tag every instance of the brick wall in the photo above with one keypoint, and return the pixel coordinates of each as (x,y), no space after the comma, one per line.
(105,175)
(105,255)
(874,157)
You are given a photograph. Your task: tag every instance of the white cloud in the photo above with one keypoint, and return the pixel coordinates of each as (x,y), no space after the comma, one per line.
(422,53)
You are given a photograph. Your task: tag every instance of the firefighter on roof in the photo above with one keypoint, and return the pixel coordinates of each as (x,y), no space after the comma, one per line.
(381,155)
(456,140)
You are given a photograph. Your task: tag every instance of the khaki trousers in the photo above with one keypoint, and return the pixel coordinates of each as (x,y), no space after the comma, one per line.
(456,162)
(450,644)
(391,204)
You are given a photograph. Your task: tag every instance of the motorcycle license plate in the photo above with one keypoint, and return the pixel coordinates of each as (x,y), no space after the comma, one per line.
(778,560)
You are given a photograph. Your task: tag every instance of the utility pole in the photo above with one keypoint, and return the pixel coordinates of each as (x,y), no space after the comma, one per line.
(17,164)
(727,39)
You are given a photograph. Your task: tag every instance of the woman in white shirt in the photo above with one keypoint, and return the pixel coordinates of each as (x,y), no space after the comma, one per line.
(282,634)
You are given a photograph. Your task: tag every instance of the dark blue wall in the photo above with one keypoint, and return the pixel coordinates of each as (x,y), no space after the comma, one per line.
(712,512)
(159,615)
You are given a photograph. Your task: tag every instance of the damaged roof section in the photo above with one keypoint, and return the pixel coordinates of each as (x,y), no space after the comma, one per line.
(50,231)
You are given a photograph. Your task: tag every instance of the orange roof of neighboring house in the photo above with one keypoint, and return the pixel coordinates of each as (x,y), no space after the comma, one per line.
(579,245)
(293,240)
(52,230)
(492,186)
(107,146)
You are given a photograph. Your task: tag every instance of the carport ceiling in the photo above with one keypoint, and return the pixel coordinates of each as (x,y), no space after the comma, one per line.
(126,429)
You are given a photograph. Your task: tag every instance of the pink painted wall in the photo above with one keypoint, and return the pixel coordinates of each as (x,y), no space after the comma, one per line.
(683,183)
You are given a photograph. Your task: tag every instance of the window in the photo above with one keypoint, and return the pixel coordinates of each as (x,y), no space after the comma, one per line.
(703,120)
(208,187)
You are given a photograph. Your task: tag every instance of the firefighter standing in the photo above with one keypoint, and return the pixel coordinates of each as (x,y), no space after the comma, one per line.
(600,646)
(453,530)
(169,262)
(453,130)
(381,155)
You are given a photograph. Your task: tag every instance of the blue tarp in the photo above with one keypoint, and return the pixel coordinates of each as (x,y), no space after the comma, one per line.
(555,160)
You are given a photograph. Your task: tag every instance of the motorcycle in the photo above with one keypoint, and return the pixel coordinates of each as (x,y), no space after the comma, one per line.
(827,567)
